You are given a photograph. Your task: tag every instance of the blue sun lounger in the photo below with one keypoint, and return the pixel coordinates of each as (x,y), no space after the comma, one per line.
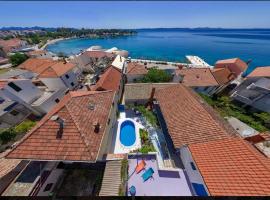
(148,174)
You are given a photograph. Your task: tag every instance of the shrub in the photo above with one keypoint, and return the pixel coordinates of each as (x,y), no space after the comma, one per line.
(17,59)
(25,126)
(148,115)
(156,76)
(7,135)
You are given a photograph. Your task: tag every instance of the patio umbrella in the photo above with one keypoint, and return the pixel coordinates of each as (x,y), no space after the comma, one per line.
(132,190)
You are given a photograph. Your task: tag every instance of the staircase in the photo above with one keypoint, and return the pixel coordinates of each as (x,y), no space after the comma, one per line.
(111,179)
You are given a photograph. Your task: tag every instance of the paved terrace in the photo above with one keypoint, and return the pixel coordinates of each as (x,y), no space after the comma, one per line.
(163,183)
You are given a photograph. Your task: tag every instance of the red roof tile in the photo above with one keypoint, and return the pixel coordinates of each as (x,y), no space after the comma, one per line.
(232,167)
(260,72)
(223,75)
(46,68)
(235,65)
(136,68)
(79,142)
(10,44)
(3,83)
(195,77)
(109,80)
(98,54)
(188,120)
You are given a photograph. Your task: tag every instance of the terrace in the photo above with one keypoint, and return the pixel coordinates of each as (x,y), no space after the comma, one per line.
(171,182)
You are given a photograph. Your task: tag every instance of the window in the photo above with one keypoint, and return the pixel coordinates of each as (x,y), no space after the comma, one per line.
(67,76)
(14,87)
(72,84)
(14,112)
(193,166)
(56,100)
(48,187)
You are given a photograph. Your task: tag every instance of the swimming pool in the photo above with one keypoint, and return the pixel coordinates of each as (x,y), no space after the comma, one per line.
(127,138)
(127,133)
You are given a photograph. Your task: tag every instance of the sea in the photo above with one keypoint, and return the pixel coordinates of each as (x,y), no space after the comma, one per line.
(251,45)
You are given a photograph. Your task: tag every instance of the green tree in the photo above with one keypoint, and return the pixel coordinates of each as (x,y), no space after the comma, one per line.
(155,75)
(17,59)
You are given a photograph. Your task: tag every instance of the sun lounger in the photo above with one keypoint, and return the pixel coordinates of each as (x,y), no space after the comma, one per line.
(140,166)
(148,174)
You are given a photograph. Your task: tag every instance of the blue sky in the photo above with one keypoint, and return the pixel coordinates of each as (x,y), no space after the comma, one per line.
(133,14)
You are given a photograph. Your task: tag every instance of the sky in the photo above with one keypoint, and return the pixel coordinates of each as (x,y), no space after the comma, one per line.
(134,14)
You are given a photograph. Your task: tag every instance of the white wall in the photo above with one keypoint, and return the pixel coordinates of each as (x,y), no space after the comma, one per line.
(53,84)
(28,94)
(50,102)
(72,79)
(193,175)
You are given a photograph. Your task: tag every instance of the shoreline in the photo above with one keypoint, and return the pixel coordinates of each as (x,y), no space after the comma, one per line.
(49,42)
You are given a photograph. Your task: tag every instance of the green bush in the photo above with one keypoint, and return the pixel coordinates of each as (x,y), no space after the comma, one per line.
(17,59)
(155,75)
(147,145)
(150,117)
(7,135)
(25,126)
(224,105)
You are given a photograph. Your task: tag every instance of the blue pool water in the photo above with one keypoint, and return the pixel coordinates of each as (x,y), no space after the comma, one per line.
(127,133)
(174,44)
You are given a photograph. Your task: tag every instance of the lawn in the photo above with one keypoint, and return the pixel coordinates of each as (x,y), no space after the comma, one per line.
(260,121)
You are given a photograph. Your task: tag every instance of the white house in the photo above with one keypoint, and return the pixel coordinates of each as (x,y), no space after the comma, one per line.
(254,91)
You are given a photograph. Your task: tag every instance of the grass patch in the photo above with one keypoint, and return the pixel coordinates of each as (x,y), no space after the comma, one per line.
(259,121)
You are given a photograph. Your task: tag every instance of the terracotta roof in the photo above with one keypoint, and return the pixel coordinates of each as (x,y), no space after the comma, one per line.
(79,142)
(3,83)
(236,65)
(46,68)
(187,119)
(232,167)
(56,70)
(36,52)
(260,72)
(195,77)
(8,45)
(223,75)
(109,80)
(98,54)
(7,165)
(136,68)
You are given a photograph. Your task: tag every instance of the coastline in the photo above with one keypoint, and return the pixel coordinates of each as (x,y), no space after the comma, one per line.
(53,41)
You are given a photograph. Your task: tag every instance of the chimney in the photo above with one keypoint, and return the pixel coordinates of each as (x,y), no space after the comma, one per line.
(60,121)
(96,127)
(152,94)
(88,87)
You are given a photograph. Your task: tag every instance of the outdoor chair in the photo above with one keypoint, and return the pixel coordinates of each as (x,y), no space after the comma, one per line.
(148,174)
(140,166)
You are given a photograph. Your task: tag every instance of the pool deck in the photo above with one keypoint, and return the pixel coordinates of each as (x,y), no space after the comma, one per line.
(163,183)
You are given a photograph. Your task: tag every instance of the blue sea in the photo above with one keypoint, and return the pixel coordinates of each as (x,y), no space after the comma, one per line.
(174,44)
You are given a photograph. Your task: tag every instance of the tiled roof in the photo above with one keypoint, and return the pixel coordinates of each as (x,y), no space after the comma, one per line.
(79,142)
(232,167)
(109,80)
(136,68)
(56,70)
(11,43)
(36,52)
(260,72)
(142,91)
(195,77)
(46,68)
(236,65)
(188,119)
(222,75)
(3,83)
(98,54)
